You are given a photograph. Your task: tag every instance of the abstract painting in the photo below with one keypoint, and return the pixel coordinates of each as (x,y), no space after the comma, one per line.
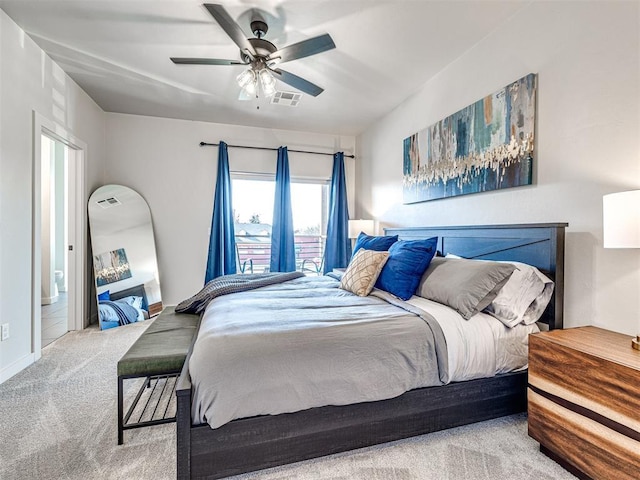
(488,145)
(111,267)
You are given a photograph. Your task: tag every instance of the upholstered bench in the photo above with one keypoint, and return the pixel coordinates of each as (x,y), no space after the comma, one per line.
(158,356)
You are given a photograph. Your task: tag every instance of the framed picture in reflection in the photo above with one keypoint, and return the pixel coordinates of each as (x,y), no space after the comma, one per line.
(111,267)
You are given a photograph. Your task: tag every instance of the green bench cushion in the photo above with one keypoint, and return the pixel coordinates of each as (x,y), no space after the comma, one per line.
(163,347)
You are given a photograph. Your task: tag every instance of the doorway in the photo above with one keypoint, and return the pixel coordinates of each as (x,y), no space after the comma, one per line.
(59,234)
(54,235)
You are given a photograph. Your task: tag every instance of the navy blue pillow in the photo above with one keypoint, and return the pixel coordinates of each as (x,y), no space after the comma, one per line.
(378,244)
(408,260)
(104,296)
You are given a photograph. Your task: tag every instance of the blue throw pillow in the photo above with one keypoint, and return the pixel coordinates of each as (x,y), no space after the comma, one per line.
(104,296)
(378,244)
(408,260)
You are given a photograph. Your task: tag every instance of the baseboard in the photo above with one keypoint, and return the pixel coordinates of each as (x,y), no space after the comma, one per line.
(48,300)
(10,370)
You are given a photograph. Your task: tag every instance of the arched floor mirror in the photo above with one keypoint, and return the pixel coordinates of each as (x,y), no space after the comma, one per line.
(124,257)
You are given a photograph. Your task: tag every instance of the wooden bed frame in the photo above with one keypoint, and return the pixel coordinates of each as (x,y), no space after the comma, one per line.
(255,443)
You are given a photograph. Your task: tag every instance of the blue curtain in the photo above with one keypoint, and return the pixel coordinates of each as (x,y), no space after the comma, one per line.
(222,242)
(338,247)
(283,252)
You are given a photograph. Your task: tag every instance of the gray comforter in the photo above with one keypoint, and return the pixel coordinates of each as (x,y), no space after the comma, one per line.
(306,343)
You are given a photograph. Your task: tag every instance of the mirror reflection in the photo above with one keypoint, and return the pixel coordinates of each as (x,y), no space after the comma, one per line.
(124,256)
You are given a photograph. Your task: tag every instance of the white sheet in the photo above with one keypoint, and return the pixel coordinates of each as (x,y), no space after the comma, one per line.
(481,346)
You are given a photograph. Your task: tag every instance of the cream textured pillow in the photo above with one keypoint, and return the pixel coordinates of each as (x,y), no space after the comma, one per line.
(363,271)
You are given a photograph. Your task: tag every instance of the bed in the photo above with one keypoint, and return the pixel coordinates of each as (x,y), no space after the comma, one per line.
(263,441)
(135,291)
(125,306)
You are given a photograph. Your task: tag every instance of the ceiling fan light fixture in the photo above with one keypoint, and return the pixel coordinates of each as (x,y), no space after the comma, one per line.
(268,82)
(247,78)
(250,90)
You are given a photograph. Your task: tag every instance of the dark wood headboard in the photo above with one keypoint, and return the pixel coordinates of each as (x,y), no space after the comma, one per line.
(538,244)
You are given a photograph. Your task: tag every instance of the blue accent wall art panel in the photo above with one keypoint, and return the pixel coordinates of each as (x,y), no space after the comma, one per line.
(486,146)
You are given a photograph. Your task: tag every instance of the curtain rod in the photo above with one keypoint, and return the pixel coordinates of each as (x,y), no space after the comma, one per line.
(204,144)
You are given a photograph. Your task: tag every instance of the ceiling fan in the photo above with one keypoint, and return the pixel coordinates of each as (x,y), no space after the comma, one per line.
(262,56)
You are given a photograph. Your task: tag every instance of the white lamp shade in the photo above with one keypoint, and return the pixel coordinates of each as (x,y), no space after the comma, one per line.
(357,226)
(621,219)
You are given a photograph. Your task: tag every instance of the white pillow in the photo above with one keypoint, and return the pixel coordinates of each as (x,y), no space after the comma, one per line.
(539,305)
(135,302)
(523,298)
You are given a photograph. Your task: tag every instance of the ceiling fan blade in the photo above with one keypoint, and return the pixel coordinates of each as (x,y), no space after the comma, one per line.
(230,27)
(303,49)
(297,82)
(205,61)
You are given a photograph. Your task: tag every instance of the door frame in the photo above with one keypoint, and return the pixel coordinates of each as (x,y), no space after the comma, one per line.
(77,228)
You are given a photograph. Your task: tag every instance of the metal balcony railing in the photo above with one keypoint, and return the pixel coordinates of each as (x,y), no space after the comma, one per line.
(254,253)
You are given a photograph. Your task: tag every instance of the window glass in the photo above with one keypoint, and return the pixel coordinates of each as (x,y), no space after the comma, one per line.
(253,220)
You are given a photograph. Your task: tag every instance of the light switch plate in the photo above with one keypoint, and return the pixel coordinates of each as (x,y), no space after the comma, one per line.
(5,331)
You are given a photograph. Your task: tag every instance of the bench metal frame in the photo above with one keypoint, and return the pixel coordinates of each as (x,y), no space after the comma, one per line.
(124,419)
(157,356)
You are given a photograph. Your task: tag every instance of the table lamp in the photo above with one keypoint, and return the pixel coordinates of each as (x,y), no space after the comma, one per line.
(621,226)
(357,226)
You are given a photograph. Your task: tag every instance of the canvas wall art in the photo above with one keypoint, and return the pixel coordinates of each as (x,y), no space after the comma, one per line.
(111,267)
(488,145)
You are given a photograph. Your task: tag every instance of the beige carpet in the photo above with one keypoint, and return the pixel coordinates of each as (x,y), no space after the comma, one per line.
(58,421)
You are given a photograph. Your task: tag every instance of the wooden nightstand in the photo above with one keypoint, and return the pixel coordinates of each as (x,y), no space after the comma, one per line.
(155,309)
(584,401)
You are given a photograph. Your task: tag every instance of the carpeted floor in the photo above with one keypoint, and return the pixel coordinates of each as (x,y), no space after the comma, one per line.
(58,421)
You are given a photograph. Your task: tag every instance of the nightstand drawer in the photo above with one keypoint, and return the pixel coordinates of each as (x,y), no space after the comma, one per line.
(583,401)
(573,366)
(595,449)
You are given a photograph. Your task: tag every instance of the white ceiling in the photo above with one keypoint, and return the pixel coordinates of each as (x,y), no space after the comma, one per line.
(118,52)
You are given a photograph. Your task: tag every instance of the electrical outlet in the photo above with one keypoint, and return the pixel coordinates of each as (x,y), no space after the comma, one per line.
(5,331)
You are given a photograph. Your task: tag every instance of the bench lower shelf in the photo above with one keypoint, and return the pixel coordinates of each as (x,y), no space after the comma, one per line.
(154,403)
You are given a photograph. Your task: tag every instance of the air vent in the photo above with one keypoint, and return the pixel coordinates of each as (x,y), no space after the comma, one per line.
(288,99)
(109,202)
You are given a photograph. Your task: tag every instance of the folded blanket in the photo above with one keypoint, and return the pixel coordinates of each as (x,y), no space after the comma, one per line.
(232,284)
(125,312)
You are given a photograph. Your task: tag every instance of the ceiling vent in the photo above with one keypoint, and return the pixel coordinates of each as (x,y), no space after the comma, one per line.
(288,99)
(109,202)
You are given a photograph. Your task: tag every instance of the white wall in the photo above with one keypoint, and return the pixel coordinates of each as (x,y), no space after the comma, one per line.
(161,159)
(30,81)
(587,57)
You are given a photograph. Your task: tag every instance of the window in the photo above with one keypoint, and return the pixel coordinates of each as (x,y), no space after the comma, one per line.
(253,217)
